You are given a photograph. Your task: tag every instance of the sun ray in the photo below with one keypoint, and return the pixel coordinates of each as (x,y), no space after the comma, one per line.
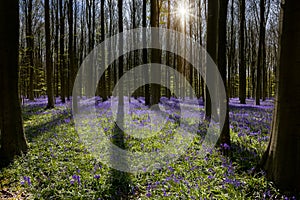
(184,12)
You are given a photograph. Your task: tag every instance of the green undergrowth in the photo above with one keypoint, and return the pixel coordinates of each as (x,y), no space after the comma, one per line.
(59,166)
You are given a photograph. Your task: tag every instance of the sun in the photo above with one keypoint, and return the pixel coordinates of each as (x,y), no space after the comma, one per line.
(183,12)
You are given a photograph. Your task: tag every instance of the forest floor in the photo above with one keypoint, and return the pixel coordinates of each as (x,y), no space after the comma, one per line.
(60,166)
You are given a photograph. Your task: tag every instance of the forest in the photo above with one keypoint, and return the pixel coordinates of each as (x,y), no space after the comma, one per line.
(149,99)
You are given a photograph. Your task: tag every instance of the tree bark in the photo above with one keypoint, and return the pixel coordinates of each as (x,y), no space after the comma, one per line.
(232,49)
(282,161)
(242,64)
(225,134)
(212,47)
(62,52)
(155,53)
(49,67)
(30,48)
(104,93)
(261,54)
(145,54)
(13,140)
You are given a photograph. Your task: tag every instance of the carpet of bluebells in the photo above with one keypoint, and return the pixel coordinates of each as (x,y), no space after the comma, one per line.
(59,166)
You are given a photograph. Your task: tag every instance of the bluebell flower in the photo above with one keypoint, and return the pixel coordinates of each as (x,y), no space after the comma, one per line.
(97,176)
(26,180)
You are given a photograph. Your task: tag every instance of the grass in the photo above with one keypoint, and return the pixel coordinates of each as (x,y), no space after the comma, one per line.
(60,166)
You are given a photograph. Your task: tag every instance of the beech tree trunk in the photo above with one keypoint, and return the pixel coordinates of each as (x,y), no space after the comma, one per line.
(212,46)
(13,140)
(242,64)
(261,54)
(30,48)
(155,53)
(225,136)
(104,93)
(282,161)
(145,54)
(49,67)
(62,52)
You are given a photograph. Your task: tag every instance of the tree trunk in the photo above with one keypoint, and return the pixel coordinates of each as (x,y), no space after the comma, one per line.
(145,54)
(168,54)
(260,59)
(30,48)
(225,136)
(13,140)
(49,67)
(212,44)
(56,49)
(283,162)
(232,49)
(155,53)
(104,93)
(72,66)
(62,52)
(242,64)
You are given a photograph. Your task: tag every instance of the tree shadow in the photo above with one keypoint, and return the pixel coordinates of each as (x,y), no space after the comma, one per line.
(30,110)
(246,158)
(119,180)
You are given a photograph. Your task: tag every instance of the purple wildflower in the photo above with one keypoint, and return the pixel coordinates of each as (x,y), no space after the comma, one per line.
(76,178)
(26,180)
(148,194)
(97,176)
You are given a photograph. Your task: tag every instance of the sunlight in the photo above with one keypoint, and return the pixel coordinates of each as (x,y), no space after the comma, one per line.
(183,12)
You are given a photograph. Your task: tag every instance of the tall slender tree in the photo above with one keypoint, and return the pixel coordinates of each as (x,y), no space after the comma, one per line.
(56,49)
(104,94)
(232,49)
(260,59)
(242,63)
(30,47)
(225,136)
(13,140)
(155,53)
(212,48)
(145,54)
(62,52)
(49,67)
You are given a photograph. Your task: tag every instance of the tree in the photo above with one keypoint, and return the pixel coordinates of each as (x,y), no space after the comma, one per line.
(56,43)
(70,47)
(260,60)
(168,54)
(232,49)
(212,41)
(62,52)
(72,66)
(281,160)
(119,178)
(225,134)
(104,95)
(49,67)
(155,53)
(13,140)
(242,63)
(30,47)
(121,59)
(145,53)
